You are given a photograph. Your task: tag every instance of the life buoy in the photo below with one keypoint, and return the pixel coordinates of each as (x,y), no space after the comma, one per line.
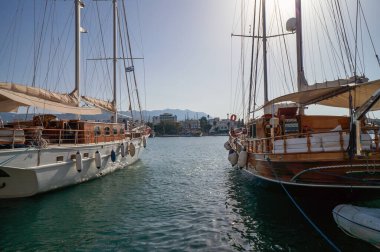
(233,117)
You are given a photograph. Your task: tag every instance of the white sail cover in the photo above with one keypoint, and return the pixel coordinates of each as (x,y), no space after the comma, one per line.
(14,95)
(106,105)
(337,96)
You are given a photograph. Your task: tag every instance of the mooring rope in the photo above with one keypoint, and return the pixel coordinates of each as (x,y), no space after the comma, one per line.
(303,212)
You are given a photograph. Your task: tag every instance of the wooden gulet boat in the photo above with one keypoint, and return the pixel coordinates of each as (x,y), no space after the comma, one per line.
(313,153)
(47,153)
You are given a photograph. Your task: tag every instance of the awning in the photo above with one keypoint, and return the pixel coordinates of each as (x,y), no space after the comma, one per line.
(14,95)
(332,96)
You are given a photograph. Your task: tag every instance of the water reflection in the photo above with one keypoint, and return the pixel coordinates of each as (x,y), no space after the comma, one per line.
(265,219)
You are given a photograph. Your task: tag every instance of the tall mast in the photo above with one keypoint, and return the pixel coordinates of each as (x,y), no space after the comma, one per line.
(265,54)
(78,6)
(114,102)
(301,80)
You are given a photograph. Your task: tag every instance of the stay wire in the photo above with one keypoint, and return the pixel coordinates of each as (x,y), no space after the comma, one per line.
(369,34)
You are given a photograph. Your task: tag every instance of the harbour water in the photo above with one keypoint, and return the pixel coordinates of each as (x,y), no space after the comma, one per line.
(182,196)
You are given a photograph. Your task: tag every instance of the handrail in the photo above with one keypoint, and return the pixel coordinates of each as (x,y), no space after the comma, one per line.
(268,144)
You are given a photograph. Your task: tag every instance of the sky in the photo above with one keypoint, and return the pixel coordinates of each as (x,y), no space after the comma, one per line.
(190,59)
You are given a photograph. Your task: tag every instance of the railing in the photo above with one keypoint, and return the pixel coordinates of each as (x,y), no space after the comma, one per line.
(37,136)
(323,141)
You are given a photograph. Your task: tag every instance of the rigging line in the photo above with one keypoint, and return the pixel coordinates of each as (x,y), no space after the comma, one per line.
(369,34)
(125,67)
(256,61)
(252,54)
(353,30)
(283,65)
(287,56)
(347,46)
(356,36)
(327,33)
(339,37)
(103,43)
(130,53)
(142,54)
(311,45)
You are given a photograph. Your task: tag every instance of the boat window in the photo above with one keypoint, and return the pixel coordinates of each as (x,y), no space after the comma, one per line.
(107,131)
(115,131)
(97,131)
(122,131)
(60,159)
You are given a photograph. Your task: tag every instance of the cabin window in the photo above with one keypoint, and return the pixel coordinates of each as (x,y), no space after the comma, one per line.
(85,155)
(115,131)
(122,131)
(59,159)
(97,131)
(73,157)
(107,131)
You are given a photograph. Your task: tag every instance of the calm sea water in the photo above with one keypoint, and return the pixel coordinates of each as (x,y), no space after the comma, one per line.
(182,196)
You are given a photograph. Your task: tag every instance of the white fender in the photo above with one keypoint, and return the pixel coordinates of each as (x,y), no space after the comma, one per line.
(132,149)
(144,142)
(122,150)
(238,148)
(233,157)
(79,163)
(227,145)
(98,160)
(242,160)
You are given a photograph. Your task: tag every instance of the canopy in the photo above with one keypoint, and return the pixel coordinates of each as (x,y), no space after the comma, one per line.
(333,96)
(14,95)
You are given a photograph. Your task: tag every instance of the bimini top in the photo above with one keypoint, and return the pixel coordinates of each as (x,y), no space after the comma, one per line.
(14,95)
(337,96)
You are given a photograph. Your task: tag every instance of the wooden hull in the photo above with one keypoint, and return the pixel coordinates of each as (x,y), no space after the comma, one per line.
(318,172)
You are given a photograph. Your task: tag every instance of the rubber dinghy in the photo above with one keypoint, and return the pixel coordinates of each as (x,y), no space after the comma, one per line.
(359,222)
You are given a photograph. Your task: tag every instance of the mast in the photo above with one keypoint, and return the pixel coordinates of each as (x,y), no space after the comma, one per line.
(265,55)
(78,6)
(114,2)
(301,80)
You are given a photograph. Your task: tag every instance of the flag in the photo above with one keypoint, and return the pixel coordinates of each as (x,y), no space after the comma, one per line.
(129,69)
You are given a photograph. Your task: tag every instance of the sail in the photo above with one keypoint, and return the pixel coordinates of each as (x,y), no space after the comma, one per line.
(336,96)
(14,95)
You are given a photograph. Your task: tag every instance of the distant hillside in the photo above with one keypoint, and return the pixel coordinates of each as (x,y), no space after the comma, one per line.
(148,115)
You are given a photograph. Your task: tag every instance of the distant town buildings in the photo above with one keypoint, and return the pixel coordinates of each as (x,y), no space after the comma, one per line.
(166,124)
(220,126)
(164,118)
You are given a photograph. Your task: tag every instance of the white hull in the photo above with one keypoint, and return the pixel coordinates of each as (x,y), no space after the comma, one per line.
(28,171)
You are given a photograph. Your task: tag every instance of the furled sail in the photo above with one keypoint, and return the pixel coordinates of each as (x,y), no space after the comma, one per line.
(14,95)
(337,96)
(106,105)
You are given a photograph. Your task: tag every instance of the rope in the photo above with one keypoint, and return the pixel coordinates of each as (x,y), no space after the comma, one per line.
(333,246)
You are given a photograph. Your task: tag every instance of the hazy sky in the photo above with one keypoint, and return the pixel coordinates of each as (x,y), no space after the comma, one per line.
(190,59)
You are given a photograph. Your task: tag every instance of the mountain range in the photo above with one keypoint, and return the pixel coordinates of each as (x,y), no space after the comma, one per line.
(147,114)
